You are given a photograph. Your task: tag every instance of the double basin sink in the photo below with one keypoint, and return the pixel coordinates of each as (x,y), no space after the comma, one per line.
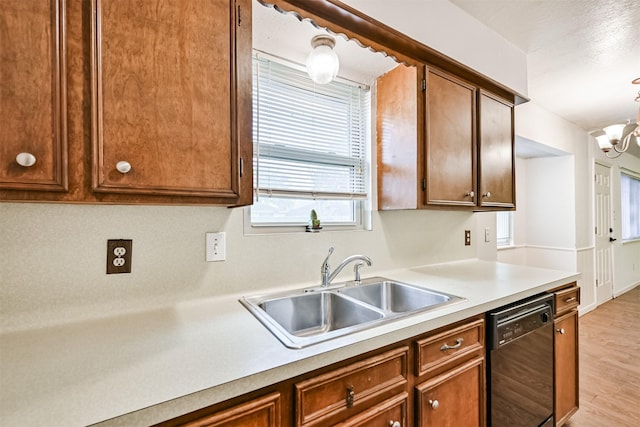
(304,317)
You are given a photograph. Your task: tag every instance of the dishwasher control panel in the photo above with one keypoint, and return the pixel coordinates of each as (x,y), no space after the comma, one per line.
(515,320)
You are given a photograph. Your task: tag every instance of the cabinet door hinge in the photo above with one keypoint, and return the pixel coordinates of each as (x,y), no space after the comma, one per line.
(424,184)
(424,85)
(241,167)
(239,16)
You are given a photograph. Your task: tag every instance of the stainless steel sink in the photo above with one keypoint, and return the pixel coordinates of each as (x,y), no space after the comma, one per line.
(396,297)
(317,313)
(308,316)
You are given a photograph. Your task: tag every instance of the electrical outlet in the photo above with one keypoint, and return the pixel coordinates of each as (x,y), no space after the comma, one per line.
(216,247)
(467,237)
(487,234)
(119,256)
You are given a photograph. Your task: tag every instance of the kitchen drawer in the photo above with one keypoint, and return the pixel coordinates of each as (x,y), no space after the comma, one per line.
(449,347)
(264,412)
(335,395)
(387,413)
(567,299)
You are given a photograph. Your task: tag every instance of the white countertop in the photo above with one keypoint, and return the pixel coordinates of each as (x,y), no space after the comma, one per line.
(151,366)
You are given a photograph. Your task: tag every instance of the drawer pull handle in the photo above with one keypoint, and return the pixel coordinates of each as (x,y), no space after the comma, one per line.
(26,160)
(395,424)
(570,299)
(351,395)
(446,347)
(434,404)
(123,167)
(561,330)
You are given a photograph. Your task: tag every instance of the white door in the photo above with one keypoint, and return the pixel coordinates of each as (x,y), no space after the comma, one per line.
(604,232)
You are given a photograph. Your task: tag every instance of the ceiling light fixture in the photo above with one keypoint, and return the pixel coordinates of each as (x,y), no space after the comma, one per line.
(322,62)
(618,137)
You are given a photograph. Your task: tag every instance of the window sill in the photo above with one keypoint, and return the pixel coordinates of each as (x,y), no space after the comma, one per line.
(634,240)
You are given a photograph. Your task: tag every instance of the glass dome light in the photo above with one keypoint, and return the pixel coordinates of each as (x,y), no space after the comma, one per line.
(322,62)
(614,133)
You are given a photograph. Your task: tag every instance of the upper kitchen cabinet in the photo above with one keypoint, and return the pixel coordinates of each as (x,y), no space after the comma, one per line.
(450,142)
(154,99)
(496,153)
(165,97)
(33,146)
(453,150)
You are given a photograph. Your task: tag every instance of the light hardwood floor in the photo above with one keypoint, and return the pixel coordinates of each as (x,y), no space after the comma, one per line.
(610,364)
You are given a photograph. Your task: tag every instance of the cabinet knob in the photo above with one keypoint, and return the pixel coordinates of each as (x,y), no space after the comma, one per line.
(487,194)
(26,159)
(561,330)
(470,194)
(123,167)
(434,404)
(395,424)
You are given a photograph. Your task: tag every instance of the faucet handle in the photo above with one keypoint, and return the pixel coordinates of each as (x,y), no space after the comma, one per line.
(325,264)
(356,269)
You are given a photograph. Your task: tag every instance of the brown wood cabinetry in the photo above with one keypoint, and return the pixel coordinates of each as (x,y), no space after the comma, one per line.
(496,165)
(455,398)
(450,363)
(328,398)
(456,149)
(261,412)
(566,370)
(159,101)
(33,138)
(450,143)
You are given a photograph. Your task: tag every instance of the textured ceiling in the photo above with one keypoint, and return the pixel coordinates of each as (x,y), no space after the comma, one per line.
(582,54)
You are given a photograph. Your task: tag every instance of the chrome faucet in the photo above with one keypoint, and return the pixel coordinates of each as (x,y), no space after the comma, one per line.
(328,276)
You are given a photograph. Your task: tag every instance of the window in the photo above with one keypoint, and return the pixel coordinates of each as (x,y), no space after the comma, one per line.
(310,148)
(504,228)
(630,198)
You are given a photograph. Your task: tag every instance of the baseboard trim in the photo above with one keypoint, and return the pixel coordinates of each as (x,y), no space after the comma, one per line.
(616,294)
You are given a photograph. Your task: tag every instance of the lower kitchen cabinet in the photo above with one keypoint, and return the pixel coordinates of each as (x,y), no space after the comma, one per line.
(455,398)
(565,341)
(433,379)
(353,389)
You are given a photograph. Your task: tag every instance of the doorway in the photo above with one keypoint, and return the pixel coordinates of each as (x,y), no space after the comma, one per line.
(603,230)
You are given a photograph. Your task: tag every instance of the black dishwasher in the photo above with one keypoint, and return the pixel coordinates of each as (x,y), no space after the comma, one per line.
(520,364)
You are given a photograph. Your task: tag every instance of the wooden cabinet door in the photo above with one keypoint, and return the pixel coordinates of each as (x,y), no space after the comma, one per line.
(496,153)
(453,399)
(33,140)
(566,366)
(450,146)
(164,83)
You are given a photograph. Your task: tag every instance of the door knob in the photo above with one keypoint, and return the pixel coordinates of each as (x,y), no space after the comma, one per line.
(611,239)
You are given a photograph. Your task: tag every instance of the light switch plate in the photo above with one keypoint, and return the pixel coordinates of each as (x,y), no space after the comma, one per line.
(487,234)
(216,246)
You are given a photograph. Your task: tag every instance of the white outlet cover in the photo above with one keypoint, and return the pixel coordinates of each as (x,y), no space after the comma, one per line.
(215,246)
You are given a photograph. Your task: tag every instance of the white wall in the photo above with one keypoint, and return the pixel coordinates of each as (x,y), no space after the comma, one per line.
(54,256)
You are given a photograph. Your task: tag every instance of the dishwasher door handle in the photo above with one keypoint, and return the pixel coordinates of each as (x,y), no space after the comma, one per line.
(458,344)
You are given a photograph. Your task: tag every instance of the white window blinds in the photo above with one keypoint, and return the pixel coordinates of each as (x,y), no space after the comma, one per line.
(309,139)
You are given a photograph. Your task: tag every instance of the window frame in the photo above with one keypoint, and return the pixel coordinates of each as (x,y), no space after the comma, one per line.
(633,176)
(509,242)
(361,206)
